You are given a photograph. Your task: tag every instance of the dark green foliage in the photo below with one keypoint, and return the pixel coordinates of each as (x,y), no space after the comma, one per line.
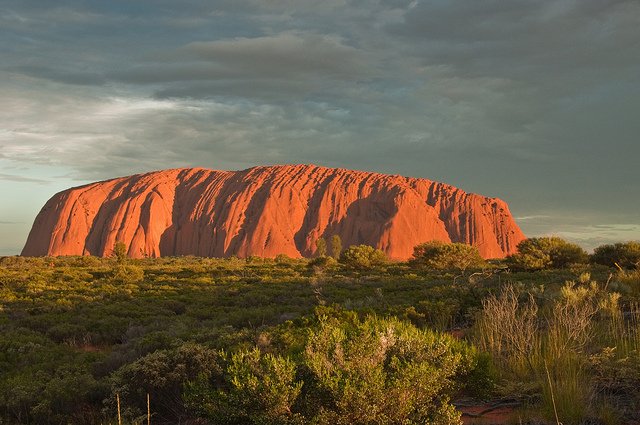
(321,247)
(162,375)
(46,397)
(73,332)
(362,257)
(336,246)
(120,252)
(253,388)
(435,314)
(383,371)
(375,371)
(283,259)
(547,252)
(126,273)
(322,263)
(436,255)
(623,254)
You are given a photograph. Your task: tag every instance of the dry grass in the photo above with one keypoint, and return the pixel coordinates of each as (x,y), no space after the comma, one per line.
(545,346)
(509,330)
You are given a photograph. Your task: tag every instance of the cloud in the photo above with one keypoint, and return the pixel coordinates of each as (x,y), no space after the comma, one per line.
(532,217)
(534,102)
(479,38)
(21,179)
(67,77)
(102,137)
(283,55)
(547,56)
(284,65)
(592,236)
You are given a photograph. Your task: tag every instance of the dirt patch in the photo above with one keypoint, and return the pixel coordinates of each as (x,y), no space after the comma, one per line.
(492,413)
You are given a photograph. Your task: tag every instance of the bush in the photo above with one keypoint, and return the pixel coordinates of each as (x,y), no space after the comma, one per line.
(546,252)
(283,259)
(321,247)
(120,252)
(336,246)
(381,371)
(438,255)
(362,257)
(624,254)
(48,397)
(321,263)
(128,273)
(162,375)
(256,388)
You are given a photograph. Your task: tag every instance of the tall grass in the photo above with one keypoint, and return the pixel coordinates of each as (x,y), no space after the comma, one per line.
(546,345)
(508,329)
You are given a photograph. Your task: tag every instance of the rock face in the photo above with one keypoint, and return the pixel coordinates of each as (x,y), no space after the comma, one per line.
(266,211)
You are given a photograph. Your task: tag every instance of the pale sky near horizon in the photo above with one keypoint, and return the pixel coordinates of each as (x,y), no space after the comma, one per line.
(536,102)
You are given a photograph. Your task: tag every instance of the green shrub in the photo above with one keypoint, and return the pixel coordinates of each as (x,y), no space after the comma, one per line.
(362,257)
(434,314)
(120,252)
(436,255)
(283,259)
(546,252)
(336,246)
(48,397)
(126,273)
(631,281)
(162,375)
(624,254)
(321,263)
(382,371)
(321,247)
(256,388)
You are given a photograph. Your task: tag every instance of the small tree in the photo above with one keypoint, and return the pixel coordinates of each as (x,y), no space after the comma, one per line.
(362,257)
(321,247)
(622,254)
(336,246)
(547,252)
(120,252)
(446,256)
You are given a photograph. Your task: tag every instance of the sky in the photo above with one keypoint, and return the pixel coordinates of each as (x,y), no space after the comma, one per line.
(536,102)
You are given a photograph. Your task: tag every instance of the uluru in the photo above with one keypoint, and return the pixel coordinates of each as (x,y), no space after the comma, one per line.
(266,211)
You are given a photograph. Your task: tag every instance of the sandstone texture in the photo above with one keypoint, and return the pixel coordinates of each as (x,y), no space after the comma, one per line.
(267,211)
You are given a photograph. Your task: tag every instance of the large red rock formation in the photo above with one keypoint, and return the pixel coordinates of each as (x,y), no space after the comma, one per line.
(267,211)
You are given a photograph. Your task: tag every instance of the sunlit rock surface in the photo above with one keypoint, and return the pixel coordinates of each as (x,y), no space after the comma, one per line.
(267,211)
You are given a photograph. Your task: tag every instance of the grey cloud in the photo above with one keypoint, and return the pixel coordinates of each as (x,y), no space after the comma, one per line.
(273,90)
(101,138)
(560,46)
(284,55)
(591,236)
(532,101)
(67,77)
(279,66)
(532,217)
(21,179)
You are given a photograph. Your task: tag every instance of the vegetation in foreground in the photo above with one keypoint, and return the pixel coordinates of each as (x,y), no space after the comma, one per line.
(346,339)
